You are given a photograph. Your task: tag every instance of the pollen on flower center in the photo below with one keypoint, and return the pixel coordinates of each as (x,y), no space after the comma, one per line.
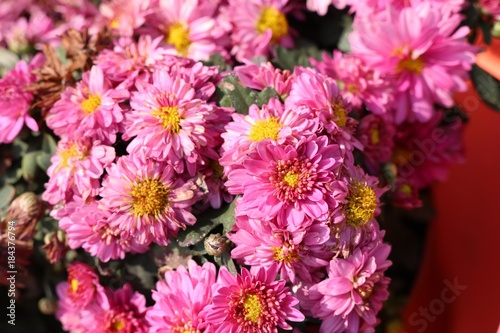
(169,117)
(91,104)
(292,179)
(117,325)
(149,197)
(412,65)
(339,113)
(178,35)
(272,18)
(406,189)
(252,308)
(375,136)
(74,285)
(361,204)
(285,254)
(265,129)
(66,154)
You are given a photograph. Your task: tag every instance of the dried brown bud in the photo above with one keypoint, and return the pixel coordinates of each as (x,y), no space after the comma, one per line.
(215,244)
(26,210)
(55,246)
(47,306)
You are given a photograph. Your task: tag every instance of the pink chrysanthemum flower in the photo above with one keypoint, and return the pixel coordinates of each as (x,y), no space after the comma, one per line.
(357,210)
(147,199)
(492,7)
(89,110)
(123,16)
(15,101)
(78,297)
(299,253)
(249,303)
(257,26)
(130,59)
(262,76)
(376,134)
(180,298)
(424,152)
(76,169)
(88,226)
(358,83)
(169,122)
(352,295)
(268,122)
(125,312)
(189,27)
(425,52)
(290,182)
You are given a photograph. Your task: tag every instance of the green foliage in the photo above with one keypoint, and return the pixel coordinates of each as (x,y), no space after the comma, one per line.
(487,87)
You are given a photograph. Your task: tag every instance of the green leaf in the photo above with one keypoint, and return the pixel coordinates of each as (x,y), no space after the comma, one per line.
(265,95)
(227,218)
(19,148)
(49,145)
(240,97)
(288,59)
(43,160)
(7,193)
(487,87)
(29,165)
(143,268)
(229,263)
(344,44)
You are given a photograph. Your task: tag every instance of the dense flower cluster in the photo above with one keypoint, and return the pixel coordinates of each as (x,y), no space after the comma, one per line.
(150,137)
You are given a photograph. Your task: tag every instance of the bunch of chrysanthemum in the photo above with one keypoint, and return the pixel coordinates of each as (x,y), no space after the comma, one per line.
(135,155)
(303,205)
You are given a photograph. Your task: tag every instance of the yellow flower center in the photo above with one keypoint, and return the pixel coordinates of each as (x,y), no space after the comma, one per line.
(91,104)
(361,204)
(169,117)
(265,129)
(117,325)
(149,197)
(340,114)
(66,154)
(406,189)
(375,136)
(291,179)
(276,21)
(74,285)
(284,254)
(252,307)
(178,36)
(401,156)
(412,65)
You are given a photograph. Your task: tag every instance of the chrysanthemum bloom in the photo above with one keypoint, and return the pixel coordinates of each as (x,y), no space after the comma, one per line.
(269,122)
(492,7)
(358,210)
(425,52)
(298,253)
(88,227)
(376,134)
(130,59)
(257,26)
(169,122)
(125,312)
(82,291)
(290,182)
(215,192)
(250,303)
(15,101)
(89,110)
(358,83)
(76,168)
(180,298)
(189,27)
(424,152)
(265,75)
(123,16)
(321,95)
(353,293)
(147,199)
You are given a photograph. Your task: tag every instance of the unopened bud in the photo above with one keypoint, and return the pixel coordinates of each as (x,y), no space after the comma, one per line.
(55,246)
(215,244)
(26,210)
(47,306)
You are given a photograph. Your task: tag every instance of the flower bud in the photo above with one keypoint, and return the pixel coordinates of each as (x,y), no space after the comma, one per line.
(215,245)
(55,246)
(26,210)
